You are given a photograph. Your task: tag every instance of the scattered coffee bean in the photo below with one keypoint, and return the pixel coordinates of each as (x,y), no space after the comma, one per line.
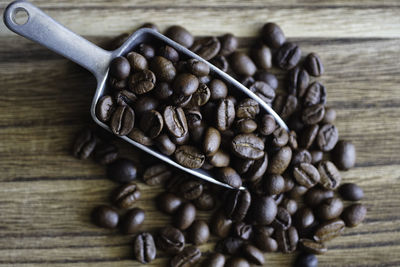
(220,224)
(253,254)
(105,216)
(237,204)
(311,246)
(171,240)
(198,232)
(344,155)
(242,64)
(314,65)
(180,35)
(330,208)
(187,257)
(306,260)
(122,170)
(354,215)
(168,202)
(105,153)
(122,120)
(350,191)
(207,47)
(144,248)
(329,230)
(84,145)
(157,174)
(263,210)
(185,216)
(327,137)
(191,189)
(288,56)
(330,176)
(215,260)
(120,68)
(125,196)
(132,221)
(287,239)
(273,35)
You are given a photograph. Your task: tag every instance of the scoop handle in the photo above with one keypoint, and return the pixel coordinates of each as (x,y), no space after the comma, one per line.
(44,30)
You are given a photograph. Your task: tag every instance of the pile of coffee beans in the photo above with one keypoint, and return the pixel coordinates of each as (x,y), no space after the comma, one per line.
(294,198)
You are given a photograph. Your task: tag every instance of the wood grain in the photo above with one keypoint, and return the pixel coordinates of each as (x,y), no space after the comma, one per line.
(46,195)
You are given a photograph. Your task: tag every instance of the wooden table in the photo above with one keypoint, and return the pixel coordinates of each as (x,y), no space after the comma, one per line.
(46,195)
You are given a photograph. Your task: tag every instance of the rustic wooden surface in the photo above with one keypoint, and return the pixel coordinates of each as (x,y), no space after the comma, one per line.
(46,195)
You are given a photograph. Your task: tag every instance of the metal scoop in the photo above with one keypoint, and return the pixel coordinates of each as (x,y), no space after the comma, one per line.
(42,29)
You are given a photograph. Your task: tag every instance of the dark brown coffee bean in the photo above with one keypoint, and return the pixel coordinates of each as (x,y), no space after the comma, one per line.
(105,216)
(283,219)
(122,120)
(207,47)
(122,170)
(220,224)
(151,123)
(344,155)
(220,62)
(163,91)
(280,137)
(206,201)
(170,240)
(165,145)
(330,116)
(272,35)
(197,67)
(105,108)
(329,230)
(273,184)
(261,55)
(181,140)
(263,239)
(187,257)
(145,103)
(351,192)
(280,161)
(290,205)
(311,246)
(253,254)
(306,175)
(125,196)
(263,91)
(218,89)
(257,169)
(313,114)
(168,202)
(201,96)
(308,136)
(242,230)
(237,204)
(289,182)
(246,125)
(185,83)
(142,82)
(304,218)
(215,260)
(287,239)
(175,120)
(327,137)
(229,176)
(316,94)
(181,100)
(330,176)
(163,69)
(247,108)
(198,232)
(289,107)
(354,215)
(269,78)
(237,262)
(330,208)
(194,117)
(137,61)
(298,191)
(146,50)
(191,189)
(263,210)
(301,156)
(298,81)
(189,157)
(316,156)
(229,245)
(138,135)
(306,260)
(125,97)
(242,64)
(185,216)
(314,65)
(267,124)
(316,196)
(144,248)
(225,114)
(248,146)
(288,56)
(169,53)
(180,35)
(85,143)
(157,174)
(229,43)
(212,141)
(132,221)
(120,68)
(219,159)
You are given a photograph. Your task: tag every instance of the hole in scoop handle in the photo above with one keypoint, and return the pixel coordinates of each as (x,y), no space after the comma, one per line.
(44,30)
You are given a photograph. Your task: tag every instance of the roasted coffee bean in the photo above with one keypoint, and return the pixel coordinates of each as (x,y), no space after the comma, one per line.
(197,67)
(170,240)
(189,157)
(157,174)
(283,220)
(84,145)
(344,155)
(306,175)
(165,145)
(120,68)
(306,260)
(272,35)
(138,135)
(351,192)
(122,120)
(105,108)
(311,246)
(151,123)
(290,205)
(229,43)
(261,55)
(185,216)
(212,141)
(191,189)
(125,97)
(280,161)
(185,83)
(105,153)
(237,262)
(289,107)
(273,184)
(308,136)
(269,78)
(187,257)
(105,216)
(329,230)
(263,91)
(304,218)
(218,89)
(280,137)
(180,35)
(330,116)
(132,221)
(237,204)
(175,120)
(215,260)
(287,239)
(168,202)
(219,159)
(263,210)
(330,176)
(313,114)
(169,53)
(267,124)
(354,215)
(247,108)
(253,254)
(327,137)
(146,50)
(198,232)
(163,91)
(122,170)
(301,156)
(289,183)
(144,248)
(220,62)
(193,117)
(298,81)
(125,196)
(163,69)
(315,94)
(142,82)
(220,224)
(316,156)
(181,100)
(145,103)
(242,230)
(229,176)
(248,146)
(242,64)
(316,196)
(206,201)
(330,208)
(314,65)
(279,102)
(257,169)
(118,41)
(246,125)
(263,239)
(137,61)
(207,47)
(297,191)
(229,245)
(225,114)
(288,56)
